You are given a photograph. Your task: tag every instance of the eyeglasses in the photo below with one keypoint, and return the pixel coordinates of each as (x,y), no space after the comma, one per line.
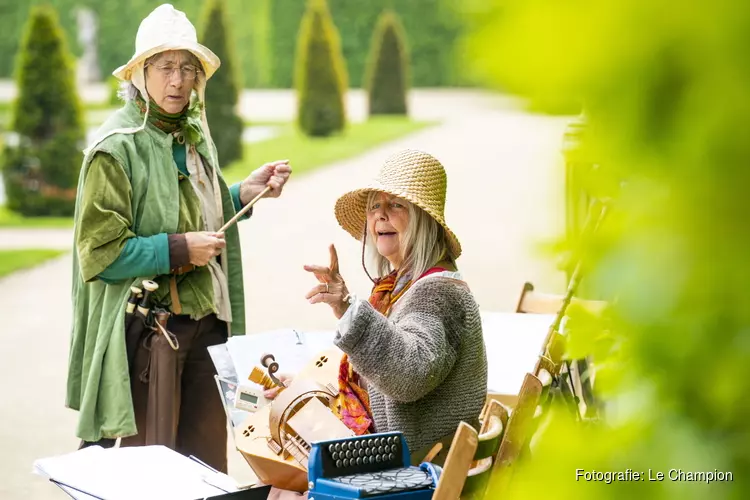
(188,72)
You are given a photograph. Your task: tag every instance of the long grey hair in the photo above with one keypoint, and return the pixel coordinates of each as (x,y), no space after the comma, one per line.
(423,244)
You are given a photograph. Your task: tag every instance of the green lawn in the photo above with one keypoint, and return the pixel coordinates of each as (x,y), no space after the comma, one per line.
(15,260)
(306,153)
(12,219)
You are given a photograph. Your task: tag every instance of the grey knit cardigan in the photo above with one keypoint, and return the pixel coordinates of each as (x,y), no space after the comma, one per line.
(425,364)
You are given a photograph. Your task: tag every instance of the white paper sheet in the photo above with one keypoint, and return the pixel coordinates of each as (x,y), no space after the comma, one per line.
(286,345)
(143,472)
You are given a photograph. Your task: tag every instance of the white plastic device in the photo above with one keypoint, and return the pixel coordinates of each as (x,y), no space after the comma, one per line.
(249,398)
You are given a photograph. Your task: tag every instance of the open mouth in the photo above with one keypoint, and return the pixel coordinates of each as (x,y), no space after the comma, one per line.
(386,233)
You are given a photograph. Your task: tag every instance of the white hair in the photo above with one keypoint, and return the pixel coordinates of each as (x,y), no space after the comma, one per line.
(127,91)
(423,244)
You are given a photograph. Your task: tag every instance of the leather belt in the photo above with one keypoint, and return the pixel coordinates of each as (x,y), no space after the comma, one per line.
(176,304)
(183,269)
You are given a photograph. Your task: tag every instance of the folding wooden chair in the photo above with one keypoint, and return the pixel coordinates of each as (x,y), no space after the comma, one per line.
(469,462)
(533,302)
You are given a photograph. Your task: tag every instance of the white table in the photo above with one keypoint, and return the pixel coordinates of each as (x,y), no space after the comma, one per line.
(513,343)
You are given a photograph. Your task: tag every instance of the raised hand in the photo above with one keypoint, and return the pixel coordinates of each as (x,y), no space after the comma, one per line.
(273,175)
(331,288)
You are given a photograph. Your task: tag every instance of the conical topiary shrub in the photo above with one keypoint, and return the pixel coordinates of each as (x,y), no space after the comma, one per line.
(387,77)
(320,76)
(42,160)
(222,92)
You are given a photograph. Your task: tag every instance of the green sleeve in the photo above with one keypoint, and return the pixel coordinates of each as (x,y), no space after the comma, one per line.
(107,247)
(141,256)
(234,190)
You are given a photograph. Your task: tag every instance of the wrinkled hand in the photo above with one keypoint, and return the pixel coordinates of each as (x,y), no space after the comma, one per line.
(274,175)
(332,289)
(203,246)
(272,393)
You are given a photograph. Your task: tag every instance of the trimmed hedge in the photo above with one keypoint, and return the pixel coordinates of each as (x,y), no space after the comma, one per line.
(432,30)
(265,32)
(388,68)
(222,90)
(118,24)
(41,170)
(320,73)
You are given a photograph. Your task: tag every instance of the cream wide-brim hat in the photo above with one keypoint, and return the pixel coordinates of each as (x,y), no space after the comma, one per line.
(167,28)
(414,176)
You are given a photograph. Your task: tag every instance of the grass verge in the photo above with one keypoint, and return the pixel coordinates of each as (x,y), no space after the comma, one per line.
(12,219)
(305,154)
(308,153)
(15,260)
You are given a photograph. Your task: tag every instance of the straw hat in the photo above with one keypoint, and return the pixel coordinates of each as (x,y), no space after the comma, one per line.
(167,28)
(414,176)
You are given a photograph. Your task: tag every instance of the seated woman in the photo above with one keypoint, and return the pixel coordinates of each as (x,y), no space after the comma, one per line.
(414,357)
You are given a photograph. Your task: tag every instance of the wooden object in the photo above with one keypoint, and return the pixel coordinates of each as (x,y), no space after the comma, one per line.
(275,451)
(469,461)
(244,209)
(457,463)
(261,378)
(517,432)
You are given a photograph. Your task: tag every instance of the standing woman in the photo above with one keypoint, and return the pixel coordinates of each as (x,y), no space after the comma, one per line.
(151,201)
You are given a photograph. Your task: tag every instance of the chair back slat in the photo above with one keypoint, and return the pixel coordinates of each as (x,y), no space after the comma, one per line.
(457,463)
(533,302)
(516,433)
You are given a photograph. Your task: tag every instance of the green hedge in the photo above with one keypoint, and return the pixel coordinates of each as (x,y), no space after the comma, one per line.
(40,168)
(431,32)
(264,33)
(118,24)
(388,68)
(320,74)
(222,91)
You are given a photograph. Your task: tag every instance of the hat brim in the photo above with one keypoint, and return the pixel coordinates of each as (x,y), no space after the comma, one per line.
(208,59)
(351,213)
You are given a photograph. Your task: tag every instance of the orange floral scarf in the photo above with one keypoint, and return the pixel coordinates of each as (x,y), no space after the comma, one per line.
(352,404)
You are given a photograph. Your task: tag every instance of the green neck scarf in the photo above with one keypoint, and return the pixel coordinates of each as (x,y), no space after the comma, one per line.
(171,123)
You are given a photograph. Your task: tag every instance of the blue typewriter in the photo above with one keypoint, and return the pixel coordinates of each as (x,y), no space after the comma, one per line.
(373,465)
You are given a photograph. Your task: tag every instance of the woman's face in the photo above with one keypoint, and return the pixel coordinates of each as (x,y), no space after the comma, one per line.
(170,78)
(387,220)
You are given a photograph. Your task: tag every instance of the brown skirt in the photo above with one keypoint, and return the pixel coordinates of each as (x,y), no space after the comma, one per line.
(175,398)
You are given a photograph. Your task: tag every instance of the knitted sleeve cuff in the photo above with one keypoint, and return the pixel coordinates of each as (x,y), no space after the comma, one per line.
(178,251)
(351,328)
(346,320)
